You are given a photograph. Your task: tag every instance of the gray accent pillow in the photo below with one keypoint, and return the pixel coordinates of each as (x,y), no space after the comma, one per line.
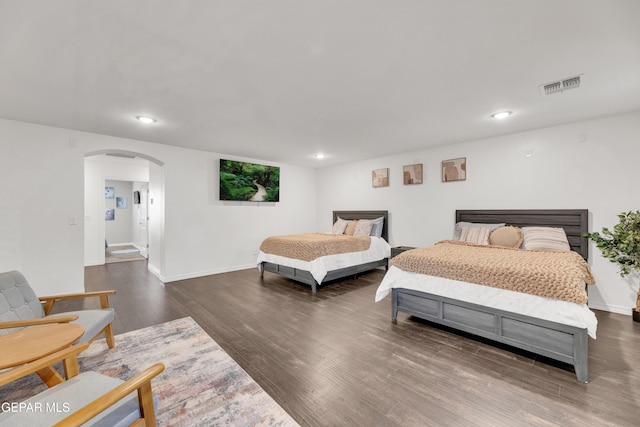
(376,227)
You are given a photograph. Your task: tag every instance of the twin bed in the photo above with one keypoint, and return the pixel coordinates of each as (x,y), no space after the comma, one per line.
(530,319)
(315,270)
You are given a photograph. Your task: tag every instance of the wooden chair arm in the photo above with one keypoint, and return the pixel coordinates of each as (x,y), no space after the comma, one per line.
(77,295)
(51,299)
(38,321)
(141,382)
(31,367)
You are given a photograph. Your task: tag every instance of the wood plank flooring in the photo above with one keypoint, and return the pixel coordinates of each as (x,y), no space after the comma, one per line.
(336,358)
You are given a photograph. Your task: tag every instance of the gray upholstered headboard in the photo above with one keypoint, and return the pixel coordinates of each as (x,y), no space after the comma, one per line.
(365,215)
(574,221)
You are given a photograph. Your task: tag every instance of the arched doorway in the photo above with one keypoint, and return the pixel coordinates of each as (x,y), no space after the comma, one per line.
(122,165)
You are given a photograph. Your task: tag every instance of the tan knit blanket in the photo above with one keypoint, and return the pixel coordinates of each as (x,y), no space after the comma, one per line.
(308,247)
(557,275)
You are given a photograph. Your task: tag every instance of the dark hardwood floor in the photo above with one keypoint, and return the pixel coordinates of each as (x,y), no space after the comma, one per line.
(336,358)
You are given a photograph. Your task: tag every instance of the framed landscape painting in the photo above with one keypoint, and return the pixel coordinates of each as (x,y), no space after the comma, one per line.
(249,182)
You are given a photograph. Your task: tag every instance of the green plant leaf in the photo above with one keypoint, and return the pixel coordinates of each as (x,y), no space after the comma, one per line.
(622,245)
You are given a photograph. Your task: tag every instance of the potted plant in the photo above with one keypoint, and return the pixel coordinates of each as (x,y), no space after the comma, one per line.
(622,246)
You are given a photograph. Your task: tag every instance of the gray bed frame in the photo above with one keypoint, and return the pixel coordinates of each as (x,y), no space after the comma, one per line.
(304,276)
(556,341)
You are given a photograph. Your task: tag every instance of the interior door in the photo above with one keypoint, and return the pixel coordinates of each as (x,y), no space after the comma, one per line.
(142,235)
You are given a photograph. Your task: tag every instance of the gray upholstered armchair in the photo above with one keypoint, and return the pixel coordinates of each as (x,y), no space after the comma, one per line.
(87,398)
(21,307)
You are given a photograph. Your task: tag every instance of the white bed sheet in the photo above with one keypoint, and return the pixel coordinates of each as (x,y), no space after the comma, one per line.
(564,312)
(379,249)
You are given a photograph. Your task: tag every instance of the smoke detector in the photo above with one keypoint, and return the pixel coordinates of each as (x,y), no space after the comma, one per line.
(560,85)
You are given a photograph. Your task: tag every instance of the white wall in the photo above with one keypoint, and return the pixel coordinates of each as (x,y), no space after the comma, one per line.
(193,233)
(41,171)
(599,174)
(156,258)
(205,235)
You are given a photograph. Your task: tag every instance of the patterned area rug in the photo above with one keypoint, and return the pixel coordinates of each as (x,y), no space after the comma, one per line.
(201,384)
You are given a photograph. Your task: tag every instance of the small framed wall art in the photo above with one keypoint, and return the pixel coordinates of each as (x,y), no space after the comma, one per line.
(121,202)
(380,177)
(412,174)
(109,193)
(454,169)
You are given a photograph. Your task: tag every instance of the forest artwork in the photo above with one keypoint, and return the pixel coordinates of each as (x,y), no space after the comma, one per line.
(242,181)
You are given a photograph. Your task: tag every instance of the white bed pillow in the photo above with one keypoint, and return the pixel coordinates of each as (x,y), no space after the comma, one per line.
(339,226)
(477,235)
(545,239)
(458,228)
(363,227)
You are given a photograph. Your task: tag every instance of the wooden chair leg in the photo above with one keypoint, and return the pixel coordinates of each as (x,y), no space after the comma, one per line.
(145,401)
(71,368)
(108,335)
(50,376)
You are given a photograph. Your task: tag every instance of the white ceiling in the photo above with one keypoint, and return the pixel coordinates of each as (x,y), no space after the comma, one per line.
(280,80)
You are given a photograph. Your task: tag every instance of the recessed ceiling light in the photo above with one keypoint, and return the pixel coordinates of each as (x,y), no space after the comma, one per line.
(319,156)
(501,114)
(146,120)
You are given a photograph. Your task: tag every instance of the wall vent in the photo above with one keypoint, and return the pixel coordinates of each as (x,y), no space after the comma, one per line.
(561,85)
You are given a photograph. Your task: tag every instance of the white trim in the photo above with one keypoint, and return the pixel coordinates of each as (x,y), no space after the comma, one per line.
(210,273)
(125,153)
(123,244)
(612,308)
(156,272)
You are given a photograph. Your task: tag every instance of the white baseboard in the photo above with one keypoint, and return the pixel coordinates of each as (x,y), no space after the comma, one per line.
(612,308)
(209,273)
(93,263)
(156,272)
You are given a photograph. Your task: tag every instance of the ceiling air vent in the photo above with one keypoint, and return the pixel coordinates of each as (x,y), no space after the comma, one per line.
(560,86)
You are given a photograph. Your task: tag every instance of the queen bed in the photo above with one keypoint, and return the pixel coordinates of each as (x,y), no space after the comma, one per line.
(317,260)
(535,321)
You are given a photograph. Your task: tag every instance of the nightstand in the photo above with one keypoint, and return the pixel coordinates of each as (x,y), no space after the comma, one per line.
(399,249)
